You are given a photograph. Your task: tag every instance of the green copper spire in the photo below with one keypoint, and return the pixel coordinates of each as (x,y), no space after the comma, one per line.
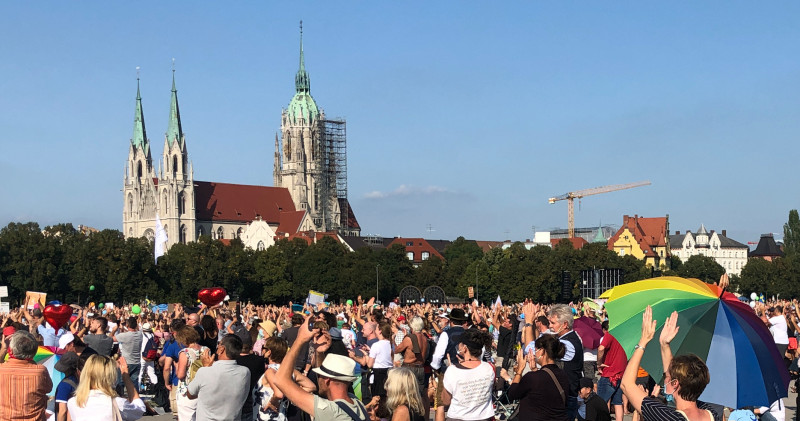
(301,81)
(174,131)
(302,108)
(599,237)
(139,139)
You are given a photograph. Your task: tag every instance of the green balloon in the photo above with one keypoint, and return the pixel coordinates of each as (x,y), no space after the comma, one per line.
(136,309)
(349,302)
(91,287)
(100,305)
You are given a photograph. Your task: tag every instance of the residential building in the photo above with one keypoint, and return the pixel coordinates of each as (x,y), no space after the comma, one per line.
(730,254)
(643,238)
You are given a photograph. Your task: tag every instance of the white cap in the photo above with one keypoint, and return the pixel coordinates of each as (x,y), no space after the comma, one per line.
(65,340)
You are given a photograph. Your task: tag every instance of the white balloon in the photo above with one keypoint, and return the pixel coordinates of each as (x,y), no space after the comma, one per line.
(754,296)
(753,304)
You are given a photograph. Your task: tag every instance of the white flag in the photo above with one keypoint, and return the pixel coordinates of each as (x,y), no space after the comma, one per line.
(498,302)
(160,240)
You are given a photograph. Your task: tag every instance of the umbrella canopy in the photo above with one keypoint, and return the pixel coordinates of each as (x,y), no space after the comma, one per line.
(589,330)
(743,361)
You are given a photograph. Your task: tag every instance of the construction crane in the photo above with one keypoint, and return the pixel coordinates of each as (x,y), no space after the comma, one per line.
(569,197)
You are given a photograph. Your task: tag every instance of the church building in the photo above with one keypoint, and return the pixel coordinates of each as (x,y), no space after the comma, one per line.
(309,175)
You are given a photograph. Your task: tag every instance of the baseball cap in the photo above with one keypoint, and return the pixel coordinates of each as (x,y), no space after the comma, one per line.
(65,340)
(401,318)
(586,382)
(8,330)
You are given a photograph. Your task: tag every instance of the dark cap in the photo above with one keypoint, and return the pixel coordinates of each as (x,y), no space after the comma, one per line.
(68,362)
(586,382)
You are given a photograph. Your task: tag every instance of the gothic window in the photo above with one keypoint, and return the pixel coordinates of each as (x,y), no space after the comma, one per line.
(200,231)
(220,233)
(130,232)
(181,203)
(239,233)
(166,205)
(183,234)
(139,169)
(260,246)
(174,166)
(130,206)
(149,235)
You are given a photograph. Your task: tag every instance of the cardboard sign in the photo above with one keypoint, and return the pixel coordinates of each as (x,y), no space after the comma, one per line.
(3,291)
(315,298)
(471,292)
(232,305)
(5,308)
(35,297)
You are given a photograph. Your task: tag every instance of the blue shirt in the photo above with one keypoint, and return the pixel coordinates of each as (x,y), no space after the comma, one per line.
(49,335)
(172,349)
(65,390)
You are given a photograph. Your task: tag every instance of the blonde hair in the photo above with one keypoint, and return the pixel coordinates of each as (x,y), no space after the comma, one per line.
(402,389)
(99,373)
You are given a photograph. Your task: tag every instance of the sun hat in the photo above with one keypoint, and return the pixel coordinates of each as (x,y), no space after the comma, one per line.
(68,362)
(269,327)
(337,367)
(458,316)
(147,327)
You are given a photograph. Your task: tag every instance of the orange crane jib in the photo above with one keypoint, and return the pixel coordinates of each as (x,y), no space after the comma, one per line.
(578,194)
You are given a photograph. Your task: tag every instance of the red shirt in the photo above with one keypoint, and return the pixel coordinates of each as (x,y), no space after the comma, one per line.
(614,357)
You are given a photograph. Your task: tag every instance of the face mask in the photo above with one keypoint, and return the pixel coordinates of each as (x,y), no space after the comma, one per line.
(669,397)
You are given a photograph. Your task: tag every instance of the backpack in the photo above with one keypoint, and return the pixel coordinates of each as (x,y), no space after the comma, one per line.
(194,366)
(149,349)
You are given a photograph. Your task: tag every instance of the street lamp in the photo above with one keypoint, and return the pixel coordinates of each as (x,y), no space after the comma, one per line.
(377,290)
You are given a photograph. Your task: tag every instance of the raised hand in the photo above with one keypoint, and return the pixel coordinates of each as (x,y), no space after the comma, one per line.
(648,326)
(670,329)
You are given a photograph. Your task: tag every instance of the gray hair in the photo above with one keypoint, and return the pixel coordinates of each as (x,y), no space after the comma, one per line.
(23,345)
(417,324)
(563,313)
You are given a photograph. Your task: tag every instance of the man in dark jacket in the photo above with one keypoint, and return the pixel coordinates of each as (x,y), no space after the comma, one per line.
(561,318)
(593,408)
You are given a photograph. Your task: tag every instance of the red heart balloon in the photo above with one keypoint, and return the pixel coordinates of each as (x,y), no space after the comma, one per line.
(211,296)
(57,315)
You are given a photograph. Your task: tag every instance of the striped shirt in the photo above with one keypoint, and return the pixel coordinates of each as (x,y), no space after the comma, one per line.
(654,410)
(24,386)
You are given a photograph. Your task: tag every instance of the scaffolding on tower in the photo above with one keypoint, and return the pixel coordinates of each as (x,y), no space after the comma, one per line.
(334,171)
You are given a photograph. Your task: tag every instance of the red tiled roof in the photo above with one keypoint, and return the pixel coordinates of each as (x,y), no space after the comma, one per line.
(648,232)
(290,221)
(239,202)
(418,245)
(351,221)
(577,242)
(488,245)
(311,236)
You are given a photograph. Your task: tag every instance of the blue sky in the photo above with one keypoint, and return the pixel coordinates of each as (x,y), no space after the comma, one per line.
(461,116)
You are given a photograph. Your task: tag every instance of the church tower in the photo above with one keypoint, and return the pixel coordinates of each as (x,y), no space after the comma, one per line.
(176,180)
(140,194)
(299,161)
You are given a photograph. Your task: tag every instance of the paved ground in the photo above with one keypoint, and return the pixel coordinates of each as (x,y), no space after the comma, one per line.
(790,411)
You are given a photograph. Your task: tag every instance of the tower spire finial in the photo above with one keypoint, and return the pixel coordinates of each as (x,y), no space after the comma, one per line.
(302,82)
(174,130)
(173,75)
(138,95)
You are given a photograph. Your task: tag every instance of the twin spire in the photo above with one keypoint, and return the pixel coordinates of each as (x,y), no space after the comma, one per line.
(174,130)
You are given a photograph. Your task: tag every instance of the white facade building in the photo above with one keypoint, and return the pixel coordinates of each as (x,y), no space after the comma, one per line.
(730,254)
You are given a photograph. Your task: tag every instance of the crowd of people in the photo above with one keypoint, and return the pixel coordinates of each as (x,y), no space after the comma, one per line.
(358,361)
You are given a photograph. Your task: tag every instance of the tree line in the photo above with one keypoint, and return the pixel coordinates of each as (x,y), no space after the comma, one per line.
(104,266)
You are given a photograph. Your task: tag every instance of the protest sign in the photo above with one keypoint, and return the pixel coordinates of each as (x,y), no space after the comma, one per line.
(3,291)
(33,297)
(315,298)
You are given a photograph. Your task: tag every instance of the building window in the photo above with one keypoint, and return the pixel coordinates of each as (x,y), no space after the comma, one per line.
(260,246)
(139,169)
(409,243)
(200,232)
(622,252)
(425,255)
(175,166)
(410,255)
(130,205)
(220,233)
(183,234)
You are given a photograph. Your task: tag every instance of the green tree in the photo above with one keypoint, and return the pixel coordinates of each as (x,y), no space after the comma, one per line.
(791,234)
(703,268)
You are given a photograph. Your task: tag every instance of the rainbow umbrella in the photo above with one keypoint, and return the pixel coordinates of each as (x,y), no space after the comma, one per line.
(745,366)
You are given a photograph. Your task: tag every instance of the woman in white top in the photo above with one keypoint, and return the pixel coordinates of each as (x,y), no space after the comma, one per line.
(379,359)
(95,399)
(186,370)
(468,382)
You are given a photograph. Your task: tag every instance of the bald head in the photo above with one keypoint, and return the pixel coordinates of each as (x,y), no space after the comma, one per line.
(193,319)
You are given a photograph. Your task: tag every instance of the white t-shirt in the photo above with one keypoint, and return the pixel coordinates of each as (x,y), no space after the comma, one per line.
(471,390)
(381,351)
(777,410)
(98,408)
(778,330)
